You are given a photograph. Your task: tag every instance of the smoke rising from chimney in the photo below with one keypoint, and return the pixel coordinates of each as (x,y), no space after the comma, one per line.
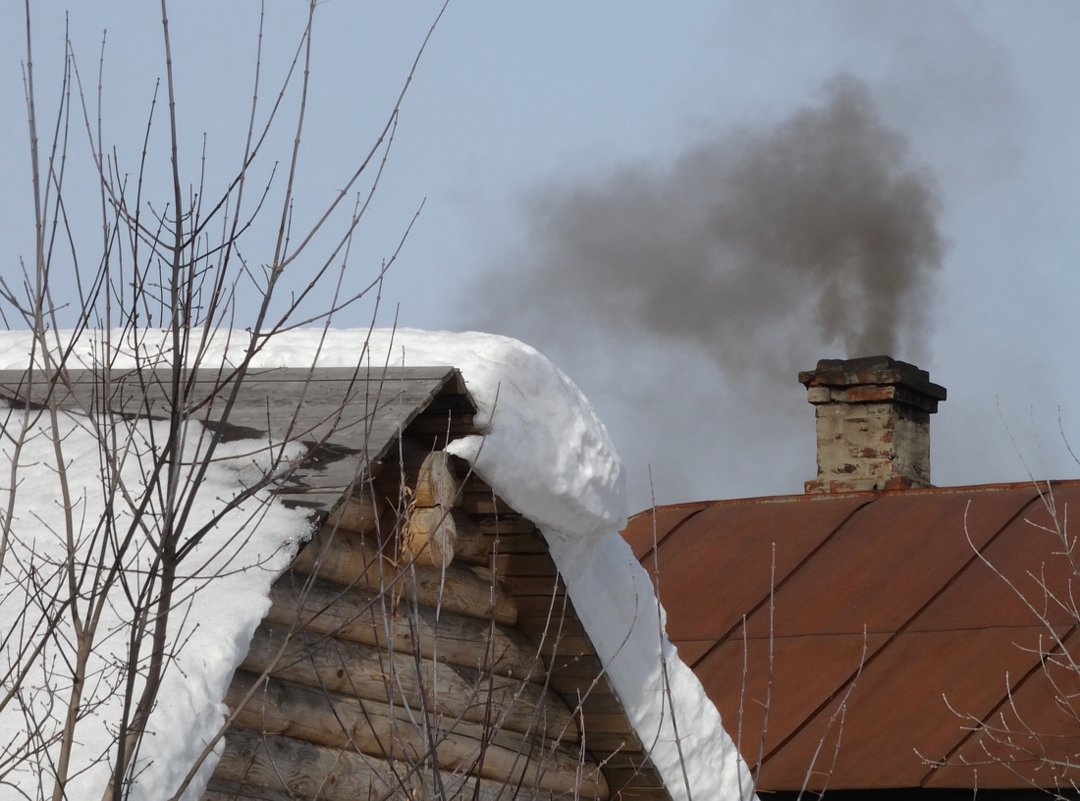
(741,243)
(676,293)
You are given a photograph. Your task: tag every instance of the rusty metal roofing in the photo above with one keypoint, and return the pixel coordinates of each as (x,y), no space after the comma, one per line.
(916,638)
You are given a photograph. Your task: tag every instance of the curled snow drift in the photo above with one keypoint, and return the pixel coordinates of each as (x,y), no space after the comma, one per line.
(549,456)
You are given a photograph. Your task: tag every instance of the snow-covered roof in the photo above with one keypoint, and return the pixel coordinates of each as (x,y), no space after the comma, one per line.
(338,411)
(544,451)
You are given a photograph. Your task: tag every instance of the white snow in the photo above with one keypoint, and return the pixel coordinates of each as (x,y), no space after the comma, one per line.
(218,607)
(548,455)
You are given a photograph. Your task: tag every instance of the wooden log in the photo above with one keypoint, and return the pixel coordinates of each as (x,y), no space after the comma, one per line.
(380,730)
(359,513)
(380,619)
(470,545)
(366,671)
(343,558)
(436,484)
(311,771)
(429,536)
(219,790)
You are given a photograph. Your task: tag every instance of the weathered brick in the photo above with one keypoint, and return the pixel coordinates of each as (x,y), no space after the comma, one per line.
(873,424)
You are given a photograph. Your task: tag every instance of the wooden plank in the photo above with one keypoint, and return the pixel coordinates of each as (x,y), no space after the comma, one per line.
(580,665)
(556,642)
(601,701)
(480,503)
(283,389)
(511,528)
(372,374)
(558,622)
(627,778)
(580,670)
(506,545)
(480,547)
(614,723)
(541,605)
(442,430)
(546,586)
(553,644)
(640,794)
(365,671)
(381,730)
(526,564)
(628,758)
(602,744)
(574,672)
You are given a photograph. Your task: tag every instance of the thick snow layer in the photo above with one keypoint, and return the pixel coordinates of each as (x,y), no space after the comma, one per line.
(548,455)
(220,600)
(668,707)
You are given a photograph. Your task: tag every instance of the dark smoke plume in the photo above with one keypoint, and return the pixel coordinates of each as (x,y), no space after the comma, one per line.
(818,231)
(684,297)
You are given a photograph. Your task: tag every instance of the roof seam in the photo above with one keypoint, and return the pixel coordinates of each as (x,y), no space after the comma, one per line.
(891,632)
(653,551)
(1009,694)
(871,657)
(776,588)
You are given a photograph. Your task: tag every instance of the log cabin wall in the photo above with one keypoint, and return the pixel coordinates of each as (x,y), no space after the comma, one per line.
(423,647)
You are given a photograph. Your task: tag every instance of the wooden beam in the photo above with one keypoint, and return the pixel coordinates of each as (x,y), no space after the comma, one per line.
(366,671)
(385,620)
(311,771)
(381,730)
(343,558)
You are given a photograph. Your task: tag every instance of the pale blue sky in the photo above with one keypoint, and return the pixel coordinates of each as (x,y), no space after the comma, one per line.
(511,98)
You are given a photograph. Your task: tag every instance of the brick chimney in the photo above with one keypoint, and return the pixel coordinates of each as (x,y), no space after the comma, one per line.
(873,423)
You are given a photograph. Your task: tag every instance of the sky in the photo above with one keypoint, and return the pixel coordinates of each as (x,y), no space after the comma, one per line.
(681,205)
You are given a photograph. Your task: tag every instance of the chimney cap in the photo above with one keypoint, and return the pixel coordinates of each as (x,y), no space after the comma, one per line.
(873,423)
(876,371)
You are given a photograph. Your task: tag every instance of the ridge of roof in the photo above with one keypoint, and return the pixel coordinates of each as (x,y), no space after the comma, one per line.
(1039,485)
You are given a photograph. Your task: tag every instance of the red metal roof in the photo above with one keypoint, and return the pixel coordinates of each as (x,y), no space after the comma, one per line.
(927,630)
